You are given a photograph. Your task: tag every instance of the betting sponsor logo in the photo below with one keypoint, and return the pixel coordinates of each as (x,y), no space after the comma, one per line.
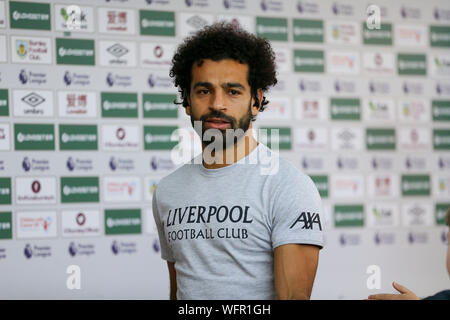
(382,185)
(159,105)
(412,64)
(116,21)
(75,51)
(275,29)
(415,185)
(5,191)
(157,23)
(34,136)
(29,15)
(308,30)
(123,221)
(351,215)
(160,137)
(441,139)
(5,228)
(311,108)
(77,104)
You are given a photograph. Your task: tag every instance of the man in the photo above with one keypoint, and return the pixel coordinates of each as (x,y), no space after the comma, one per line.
(405,293)
(227,230)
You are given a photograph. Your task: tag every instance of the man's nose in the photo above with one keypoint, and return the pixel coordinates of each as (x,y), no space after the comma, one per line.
(217,101)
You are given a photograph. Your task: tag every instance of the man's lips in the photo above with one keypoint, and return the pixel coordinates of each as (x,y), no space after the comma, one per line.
(217,120)
(217,123)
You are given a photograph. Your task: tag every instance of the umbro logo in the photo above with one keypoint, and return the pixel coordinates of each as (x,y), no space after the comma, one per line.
(308,219)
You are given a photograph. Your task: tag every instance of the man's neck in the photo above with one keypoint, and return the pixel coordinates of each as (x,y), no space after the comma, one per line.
(232,154)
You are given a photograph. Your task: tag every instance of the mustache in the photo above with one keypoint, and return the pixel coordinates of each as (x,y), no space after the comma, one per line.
(219,115)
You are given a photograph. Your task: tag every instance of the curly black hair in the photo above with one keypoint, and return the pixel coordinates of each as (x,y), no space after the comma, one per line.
(220,41)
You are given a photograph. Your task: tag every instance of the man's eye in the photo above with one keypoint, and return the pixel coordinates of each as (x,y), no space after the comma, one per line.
(234,92)
(203,91)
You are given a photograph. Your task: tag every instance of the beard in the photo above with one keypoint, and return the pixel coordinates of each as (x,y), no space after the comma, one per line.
(243,124)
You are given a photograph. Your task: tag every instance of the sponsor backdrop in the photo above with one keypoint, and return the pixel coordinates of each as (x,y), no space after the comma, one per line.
(88,125)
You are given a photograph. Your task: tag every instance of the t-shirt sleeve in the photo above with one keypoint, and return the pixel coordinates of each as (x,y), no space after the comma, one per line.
(297,212)
(166,252)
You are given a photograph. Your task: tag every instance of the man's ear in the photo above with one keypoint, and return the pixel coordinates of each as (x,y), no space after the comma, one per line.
(188,107)
(259,94)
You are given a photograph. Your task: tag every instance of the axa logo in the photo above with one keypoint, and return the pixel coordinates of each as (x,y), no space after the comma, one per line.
(308,219)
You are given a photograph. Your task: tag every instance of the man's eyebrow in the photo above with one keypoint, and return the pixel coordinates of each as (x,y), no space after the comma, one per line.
(233,85)
(203,84)
(225,85)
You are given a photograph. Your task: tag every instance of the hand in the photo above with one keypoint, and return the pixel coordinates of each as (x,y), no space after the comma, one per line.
(405,294)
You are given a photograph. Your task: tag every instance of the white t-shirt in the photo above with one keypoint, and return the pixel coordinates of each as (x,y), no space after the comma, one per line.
(220,226)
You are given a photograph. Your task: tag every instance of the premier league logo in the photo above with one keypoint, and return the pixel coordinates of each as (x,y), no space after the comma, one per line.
(115,247)
(153,164)
(151,81)
(67,78)
(28,252)
(113,164)
(110,79)
(72,249)
(23,77)
(263,5)
(26,165)
(70,164)
(156,247)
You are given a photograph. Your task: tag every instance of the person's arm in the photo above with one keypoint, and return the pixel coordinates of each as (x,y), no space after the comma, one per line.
(405,294)
(173,280)
(295,268)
